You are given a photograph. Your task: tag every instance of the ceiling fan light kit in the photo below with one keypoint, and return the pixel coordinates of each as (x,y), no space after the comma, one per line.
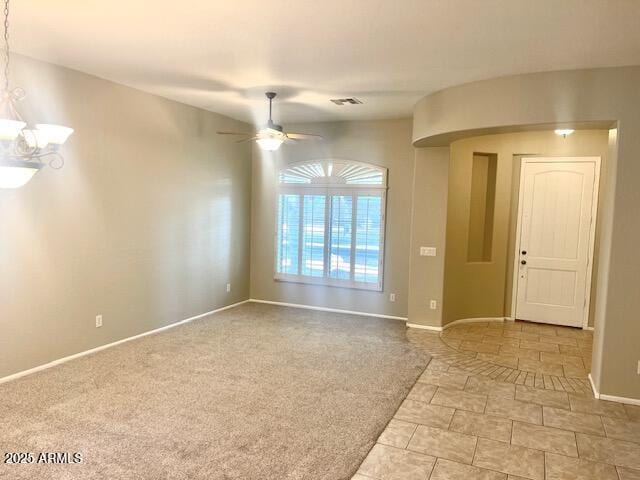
(269,143)
(24,150)
(272,136)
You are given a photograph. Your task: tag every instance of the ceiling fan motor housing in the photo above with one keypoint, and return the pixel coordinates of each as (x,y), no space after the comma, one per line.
(273,126)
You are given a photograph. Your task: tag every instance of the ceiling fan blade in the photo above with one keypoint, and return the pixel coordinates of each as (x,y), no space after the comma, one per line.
(247,139)
(303,136)
(235,133)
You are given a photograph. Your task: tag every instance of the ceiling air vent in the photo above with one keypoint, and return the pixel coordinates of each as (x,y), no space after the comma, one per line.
(346,101)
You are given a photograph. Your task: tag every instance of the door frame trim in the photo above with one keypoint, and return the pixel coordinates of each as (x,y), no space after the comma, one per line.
(592,231)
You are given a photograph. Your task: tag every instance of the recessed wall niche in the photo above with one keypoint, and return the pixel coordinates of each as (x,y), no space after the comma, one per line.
(481,207)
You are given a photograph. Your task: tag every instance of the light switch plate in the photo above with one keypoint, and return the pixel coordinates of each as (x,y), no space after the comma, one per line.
(427,251)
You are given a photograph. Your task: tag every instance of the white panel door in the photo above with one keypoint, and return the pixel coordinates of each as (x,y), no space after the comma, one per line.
(557,207)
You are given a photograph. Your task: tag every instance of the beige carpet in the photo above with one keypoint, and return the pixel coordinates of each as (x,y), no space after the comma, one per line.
(255,392)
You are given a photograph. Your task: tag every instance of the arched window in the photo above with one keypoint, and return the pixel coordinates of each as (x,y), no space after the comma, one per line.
(331,223)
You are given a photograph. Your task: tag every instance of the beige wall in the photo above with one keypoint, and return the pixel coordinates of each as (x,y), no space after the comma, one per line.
(608,95)
(386,143)
(145,224)
(606,213)
(483,289)
(429,217)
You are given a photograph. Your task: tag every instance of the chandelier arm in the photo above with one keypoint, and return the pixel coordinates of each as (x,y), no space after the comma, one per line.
(56,161)
(13,110)
(24,151)
(52,158)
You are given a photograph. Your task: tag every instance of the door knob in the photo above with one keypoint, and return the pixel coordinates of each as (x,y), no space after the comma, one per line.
(523,262)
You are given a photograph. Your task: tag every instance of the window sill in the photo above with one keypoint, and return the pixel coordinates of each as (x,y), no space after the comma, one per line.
(325,282)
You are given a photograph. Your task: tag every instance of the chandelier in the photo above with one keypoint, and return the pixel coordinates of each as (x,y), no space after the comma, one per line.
(24,148)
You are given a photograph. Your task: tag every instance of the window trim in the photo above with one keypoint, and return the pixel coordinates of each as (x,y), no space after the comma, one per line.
(350,170)
(329,189)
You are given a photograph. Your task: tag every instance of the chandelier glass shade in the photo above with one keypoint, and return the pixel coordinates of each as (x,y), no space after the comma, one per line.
(16,173)
(24,148)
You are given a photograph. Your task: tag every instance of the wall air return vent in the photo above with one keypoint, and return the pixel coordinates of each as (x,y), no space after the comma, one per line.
(346,101)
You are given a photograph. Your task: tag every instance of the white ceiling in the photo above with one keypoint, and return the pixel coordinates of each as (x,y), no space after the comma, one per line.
(222,55)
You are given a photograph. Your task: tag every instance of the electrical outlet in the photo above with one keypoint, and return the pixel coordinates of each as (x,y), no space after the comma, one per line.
(228,287)
(98,321)
(638,367)
(427,251)
(433,304)
(392,297)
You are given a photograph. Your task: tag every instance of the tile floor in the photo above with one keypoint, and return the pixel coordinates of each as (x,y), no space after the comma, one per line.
(536,419)
(523,353)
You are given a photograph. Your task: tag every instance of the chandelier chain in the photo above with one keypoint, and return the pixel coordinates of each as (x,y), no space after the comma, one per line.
(6,45)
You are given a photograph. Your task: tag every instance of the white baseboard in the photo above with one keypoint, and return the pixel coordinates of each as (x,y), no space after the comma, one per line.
(59,361)
(473,320)
(456,322)
(424,327)
(325,309)
(593,387)
(612,398)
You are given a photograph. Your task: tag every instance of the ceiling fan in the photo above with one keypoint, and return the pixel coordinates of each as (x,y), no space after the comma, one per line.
(271,136)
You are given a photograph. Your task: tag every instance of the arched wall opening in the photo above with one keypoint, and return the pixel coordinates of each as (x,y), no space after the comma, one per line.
(591,100)
(483,195)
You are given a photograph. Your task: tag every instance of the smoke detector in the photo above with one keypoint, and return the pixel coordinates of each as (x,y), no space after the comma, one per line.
(346,101)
